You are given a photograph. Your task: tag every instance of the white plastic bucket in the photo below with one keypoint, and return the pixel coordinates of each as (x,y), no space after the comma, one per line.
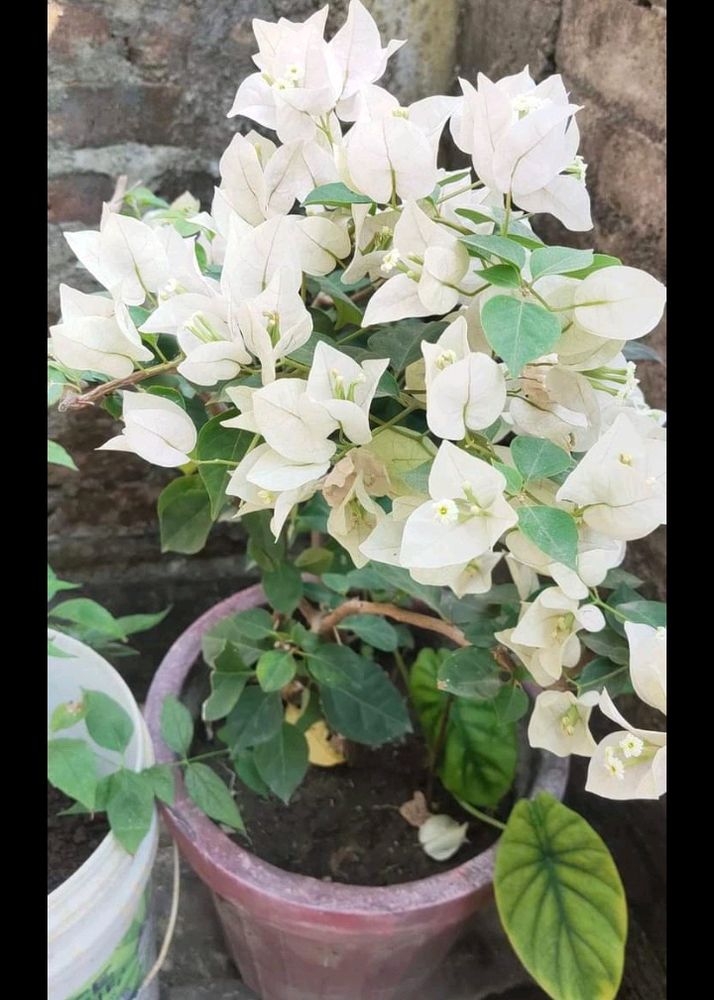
(101,939)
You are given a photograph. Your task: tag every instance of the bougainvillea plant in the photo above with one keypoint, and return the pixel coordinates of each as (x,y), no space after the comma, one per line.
(402,392)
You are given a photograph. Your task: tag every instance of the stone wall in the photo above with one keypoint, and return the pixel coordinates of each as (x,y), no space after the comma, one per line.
(142,86)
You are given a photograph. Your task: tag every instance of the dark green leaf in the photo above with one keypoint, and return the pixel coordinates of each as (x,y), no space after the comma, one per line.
(553,531)
(359,700)
(57,455)
(607,643)
(600,673)
(275,669)
(645,612)
(184,515)
(559,260)
(226,443)
(397,578)
(470,673)
(315,560)
(176,725)
(561,901)
(244,766)
(373,630)
(255,719)
(283,588)
(538,458)
(71,767)
(511,703)
(226,689)
(478,762)
(617,576)
(496,246)
(250,631)
(263,548)
(599,260)
(518,331)
(501,275)
(206,789)
(107,722)
(282,761)
(334,195)
(401,341)
(347,311)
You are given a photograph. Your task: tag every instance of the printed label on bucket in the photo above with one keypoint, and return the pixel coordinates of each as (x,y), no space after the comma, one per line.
(123,973)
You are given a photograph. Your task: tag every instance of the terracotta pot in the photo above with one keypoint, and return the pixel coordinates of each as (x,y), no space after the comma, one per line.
(294,937)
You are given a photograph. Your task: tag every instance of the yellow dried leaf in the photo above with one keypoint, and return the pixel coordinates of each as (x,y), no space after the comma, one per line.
(321,747)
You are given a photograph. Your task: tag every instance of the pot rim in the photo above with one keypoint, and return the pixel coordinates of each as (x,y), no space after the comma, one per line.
(226,864)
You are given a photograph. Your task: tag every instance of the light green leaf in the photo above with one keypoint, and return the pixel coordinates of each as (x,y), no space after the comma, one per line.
(107,722)
(131,624)
(130,808)
(599,260)
(67,714)
(645,612)
(71,767)
(283,588)
(496,246)
(226,689)
(538,458)
(373,630)
(559,260)
(334,195)
(501,275)
(417,480)
(553,531)
(511,703)
(518,331)
(561,901)
(359,700)
(226,443)
(275,669)
(470,673)
(401,451)
(88,614)
(161,777)
(282,761)
(57,455)
(617,576)
(54,585)
(514,480)
(185,517)
(54,650)
(176,725)
(478,762)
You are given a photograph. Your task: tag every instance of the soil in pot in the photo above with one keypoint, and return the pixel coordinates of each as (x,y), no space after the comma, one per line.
(343,823)
(70,839)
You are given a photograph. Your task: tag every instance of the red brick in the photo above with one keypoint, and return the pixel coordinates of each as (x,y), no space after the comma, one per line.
(103,116)
(78,197)
(72,25)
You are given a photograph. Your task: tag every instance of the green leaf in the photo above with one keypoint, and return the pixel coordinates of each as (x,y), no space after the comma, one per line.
(559,260)
(470,673)
(226,443)
(617,576)
(397,578)
(275,669)
(401,341)
(226,689)
(478,761)
(496,246)
(161,777)
(57,455)
(130,808)
(511,703)
(54,650)
(607,643)
(315,560)
(401,451)
(538,458)
(600,673)
(373,630)
(212,797)
(359,700)
(185,517)
(517,331)
(245,768)
(417,480)
(255,719)
(387,386)
(131,624)
(501,275)
(282,761)
(283,588)
(514,480)
(71,767)
(600,260)
(263,548)
(645,612)
(54,585)
(250,631)
(347,311)
(553,531)
(334,195)
(67,714)
(88,614)
(561,901)
(176,725)
(107,722)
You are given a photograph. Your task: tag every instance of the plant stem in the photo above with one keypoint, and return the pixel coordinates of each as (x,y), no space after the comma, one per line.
(507,216)
(90,398)
(484,817)
(403,670)
(395,420)
(355,606)
(215,461)
(202,756)
(438,747)
(364,292)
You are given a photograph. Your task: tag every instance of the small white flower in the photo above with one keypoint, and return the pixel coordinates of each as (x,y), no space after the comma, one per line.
(631,745)
(390,261)
(613,765)
(446,511)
